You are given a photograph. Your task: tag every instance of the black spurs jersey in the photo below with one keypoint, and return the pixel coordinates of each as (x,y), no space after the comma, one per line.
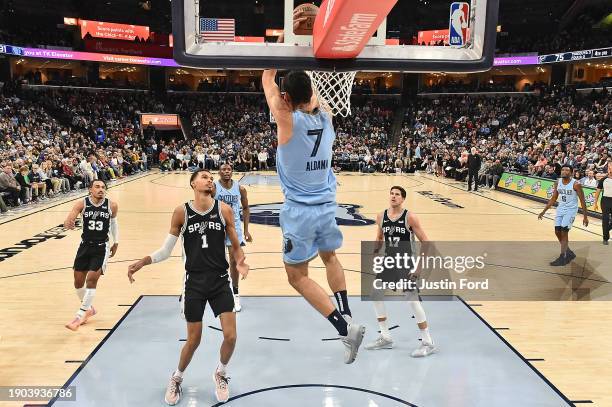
(96,221)
(203,237)
(396,231)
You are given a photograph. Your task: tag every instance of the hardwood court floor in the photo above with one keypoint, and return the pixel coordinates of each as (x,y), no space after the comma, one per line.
(37,297)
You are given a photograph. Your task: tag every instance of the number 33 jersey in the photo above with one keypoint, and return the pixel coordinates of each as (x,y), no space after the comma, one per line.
(203,236)
(96,221)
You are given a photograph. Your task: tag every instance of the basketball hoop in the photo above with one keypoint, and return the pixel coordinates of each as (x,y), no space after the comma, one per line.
(333,90)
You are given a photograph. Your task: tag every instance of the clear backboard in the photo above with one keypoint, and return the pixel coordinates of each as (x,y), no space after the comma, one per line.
(415,36)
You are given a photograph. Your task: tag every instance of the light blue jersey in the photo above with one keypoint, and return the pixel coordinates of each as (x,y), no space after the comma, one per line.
(567,207)
(308,217)
(231,197)
(568,198)
(304,163)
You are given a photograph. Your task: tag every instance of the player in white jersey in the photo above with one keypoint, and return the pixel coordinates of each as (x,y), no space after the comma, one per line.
(570,192)
(235,195)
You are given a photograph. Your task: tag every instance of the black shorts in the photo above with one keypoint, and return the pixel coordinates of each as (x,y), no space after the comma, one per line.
(395,275)
(91,257)
(201,288)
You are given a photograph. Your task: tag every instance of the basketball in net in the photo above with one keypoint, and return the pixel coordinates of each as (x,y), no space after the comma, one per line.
(333,90)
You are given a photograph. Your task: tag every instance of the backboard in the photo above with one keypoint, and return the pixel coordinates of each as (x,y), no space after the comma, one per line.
(239,34)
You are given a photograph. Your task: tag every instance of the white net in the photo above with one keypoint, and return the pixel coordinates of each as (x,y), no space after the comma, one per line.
(333,90)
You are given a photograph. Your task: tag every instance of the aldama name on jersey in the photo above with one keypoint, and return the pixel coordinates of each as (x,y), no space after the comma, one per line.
(317,165)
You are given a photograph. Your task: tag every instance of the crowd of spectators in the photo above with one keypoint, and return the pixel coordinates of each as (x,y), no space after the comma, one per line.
(43,156)
(41,159)
(529,134)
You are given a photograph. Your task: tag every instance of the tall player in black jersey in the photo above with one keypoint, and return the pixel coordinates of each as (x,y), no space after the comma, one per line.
(202,225)
(99,219)
(395,226)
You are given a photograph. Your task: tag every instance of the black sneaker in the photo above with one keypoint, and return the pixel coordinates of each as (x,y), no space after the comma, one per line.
(605,242)
(559,261)
(570,255)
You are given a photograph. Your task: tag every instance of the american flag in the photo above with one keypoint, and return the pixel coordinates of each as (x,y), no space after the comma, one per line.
(217,29)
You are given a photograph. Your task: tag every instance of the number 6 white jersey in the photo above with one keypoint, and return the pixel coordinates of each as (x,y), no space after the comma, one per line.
(96,221)
(304,163)
(568,198)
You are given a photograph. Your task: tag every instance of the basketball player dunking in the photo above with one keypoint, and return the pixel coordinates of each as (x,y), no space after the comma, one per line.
(307,219)
(235,195)
(397,228)
(203,225)
(99,217)
(570,192)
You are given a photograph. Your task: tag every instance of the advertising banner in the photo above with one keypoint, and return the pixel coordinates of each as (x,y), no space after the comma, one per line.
(113,31)
(540,188)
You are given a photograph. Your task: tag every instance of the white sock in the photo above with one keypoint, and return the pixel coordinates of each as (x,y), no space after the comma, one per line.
(222,369)
(80,292)
(178,373)
(90,293)
(384,329)
(425,336)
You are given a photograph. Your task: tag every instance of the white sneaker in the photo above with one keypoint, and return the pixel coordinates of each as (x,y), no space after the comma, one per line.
(382,342)
(425,349)
(352,341)
(237,306)
(173,391)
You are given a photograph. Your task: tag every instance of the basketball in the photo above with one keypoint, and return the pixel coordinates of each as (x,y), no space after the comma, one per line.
(309,11)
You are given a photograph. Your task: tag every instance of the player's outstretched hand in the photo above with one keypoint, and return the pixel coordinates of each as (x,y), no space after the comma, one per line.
(113,249)
(248,237)
(133,268)
(585,221)
(541,215)
(243,269)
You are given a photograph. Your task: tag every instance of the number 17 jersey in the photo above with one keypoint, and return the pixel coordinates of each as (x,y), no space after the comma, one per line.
(304,163)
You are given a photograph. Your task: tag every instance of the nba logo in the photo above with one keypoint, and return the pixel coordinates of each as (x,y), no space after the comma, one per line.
(458,26)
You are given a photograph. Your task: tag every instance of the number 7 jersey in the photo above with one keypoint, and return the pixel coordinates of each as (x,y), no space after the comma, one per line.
(304,163)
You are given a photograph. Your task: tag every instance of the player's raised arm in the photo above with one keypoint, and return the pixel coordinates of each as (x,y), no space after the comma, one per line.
(230,230)
(278,106)
(178,219)
(77,208)
(551,201)
(580,193)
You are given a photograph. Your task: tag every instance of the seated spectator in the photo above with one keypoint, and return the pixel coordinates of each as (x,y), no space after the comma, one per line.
(9,185)
(589,181)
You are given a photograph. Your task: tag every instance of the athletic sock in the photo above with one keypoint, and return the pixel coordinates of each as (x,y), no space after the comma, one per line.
(80,292)
(384,329)
(177,373)
(222,369)
(235,289)
(88,298)
(425,336)
(338,321)
(342,300)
